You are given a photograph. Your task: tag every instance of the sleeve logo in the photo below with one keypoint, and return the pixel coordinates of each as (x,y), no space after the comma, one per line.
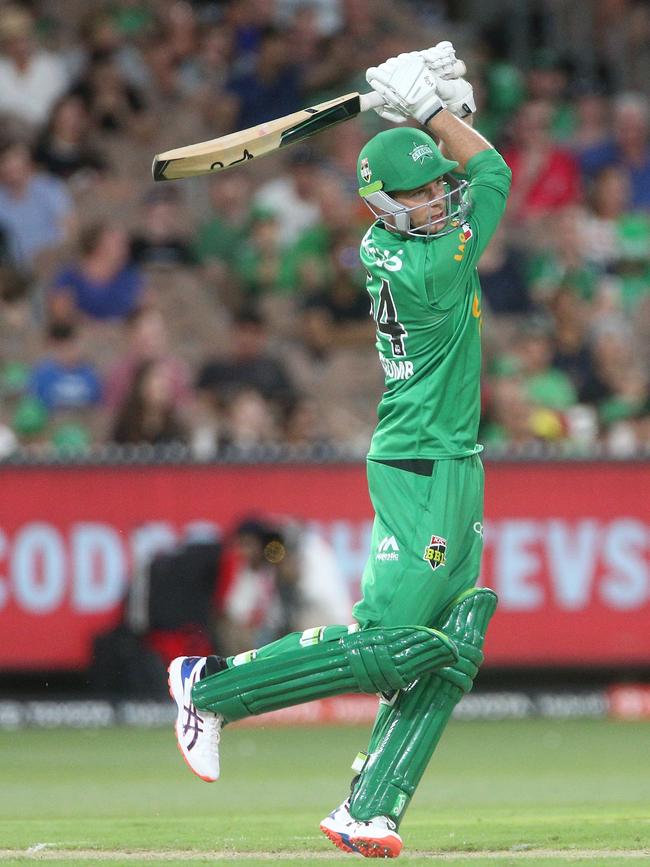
(436,552)
(463,236)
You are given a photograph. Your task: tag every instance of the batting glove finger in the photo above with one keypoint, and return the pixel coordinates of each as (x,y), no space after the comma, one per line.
(391,114)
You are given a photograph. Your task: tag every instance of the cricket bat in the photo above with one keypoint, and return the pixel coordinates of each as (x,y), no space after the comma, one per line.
(239,147)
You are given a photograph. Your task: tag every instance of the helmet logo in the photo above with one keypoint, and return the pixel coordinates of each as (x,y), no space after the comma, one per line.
(366,171)
(420,153)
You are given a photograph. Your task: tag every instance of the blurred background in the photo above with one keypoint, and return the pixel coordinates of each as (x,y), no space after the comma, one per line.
(188,380)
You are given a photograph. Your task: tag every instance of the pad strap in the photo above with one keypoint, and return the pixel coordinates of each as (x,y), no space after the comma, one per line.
(376,660)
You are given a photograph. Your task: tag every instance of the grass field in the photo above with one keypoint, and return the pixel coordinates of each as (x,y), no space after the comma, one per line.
(497,793)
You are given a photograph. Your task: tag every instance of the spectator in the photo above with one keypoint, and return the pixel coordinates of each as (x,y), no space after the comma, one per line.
(64,379)
(113,103)
(249,420)
(162,238)
(147,339)
(31,80)
(339,311)
(609,199)
(545,177)
(503,277)
(103,36)
(19,339)
(305,425)
(572,353)
(64,147)
(628,147)
(206,73)
(592,123)
(147,414)
(310,260)
(103,284)
(509,412)
(36,210)
(562,261)
(292,196)
(272,88)
(262,269)
(544,385)
(548,80)
(247,364)
(218,240)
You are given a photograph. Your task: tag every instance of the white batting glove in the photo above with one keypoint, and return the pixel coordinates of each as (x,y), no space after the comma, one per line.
(457,95)
(455,92)
(407,86)
(442,61)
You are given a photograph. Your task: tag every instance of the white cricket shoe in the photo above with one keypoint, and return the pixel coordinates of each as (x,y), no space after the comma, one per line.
(374,839)
(198,732)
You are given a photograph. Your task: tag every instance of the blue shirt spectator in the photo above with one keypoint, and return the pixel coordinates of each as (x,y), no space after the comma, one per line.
(34,206)
(63,379)
(103,284)
(629,148)
(113,298)
(272,89)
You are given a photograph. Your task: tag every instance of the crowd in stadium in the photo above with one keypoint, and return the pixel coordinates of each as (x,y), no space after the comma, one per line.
(230,311)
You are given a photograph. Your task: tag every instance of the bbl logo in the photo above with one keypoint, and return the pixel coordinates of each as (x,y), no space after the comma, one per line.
(366,171)
(435,552)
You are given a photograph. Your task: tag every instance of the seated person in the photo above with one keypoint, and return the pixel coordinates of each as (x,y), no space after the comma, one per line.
(102,284)
(63,379)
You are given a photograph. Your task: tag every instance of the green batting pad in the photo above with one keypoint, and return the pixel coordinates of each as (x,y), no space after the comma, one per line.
(326,662)
(408,733)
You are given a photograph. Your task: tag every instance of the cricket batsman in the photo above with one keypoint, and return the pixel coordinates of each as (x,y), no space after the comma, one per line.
(420,625)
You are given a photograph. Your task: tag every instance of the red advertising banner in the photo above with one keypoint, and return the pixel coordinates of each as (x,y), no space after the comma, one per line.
(567,548)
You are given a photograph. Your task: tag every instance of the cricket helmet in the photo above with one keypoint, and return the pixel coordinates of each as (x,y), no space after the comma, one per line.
(402,159)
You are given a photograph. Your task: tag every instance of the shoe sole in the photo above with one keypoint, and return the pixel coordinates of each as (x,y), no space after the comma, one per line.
(383,847)
(175,676)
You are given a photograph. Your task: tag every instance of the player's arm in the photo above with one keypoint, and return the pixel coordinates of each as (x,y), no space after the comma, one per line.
(410,87)
(460,140)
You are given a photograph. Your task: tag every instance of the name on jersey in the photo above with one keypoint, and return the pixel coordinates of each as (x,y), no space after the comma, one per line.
(396,369)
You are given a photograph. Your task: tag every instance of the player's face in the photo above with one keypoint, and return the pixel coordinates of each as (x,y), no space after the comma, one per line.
(429,211)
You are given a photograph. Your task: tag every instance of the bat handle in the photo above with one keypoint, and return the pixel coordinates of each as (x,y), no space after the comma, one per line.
(370,100)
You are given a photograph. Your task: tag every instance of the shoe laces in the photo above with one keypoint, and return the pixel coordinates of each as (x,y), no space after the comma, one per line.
(212,723)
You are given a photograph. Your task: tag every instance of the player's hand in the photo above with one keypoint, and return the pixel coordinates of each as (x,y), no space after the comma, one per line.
(457,95)
(442,61)
(407,86)
(455,92)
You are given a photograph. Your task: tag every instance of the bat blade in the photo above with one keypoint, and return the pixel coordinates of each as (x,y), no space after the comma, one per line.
(239,147)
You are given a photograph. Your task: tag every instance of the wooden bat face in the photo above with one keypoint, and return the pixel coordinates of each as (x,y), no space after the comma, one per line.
(239,147)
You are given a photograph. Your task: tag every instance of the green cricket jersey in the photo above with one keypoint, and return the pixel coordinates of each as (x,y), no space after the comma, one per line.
(426,301)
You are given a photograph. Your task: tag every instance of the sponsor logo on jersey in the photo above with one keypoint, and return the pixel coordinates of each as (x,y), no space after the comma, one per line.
(388,549)
(396,369)
(463,236)
(436,552)
(382,258)
(420,153)
(365,171)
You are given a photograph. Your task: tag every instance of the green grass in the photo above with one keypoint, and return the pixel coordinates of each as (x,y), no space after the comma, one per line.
(510,788)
